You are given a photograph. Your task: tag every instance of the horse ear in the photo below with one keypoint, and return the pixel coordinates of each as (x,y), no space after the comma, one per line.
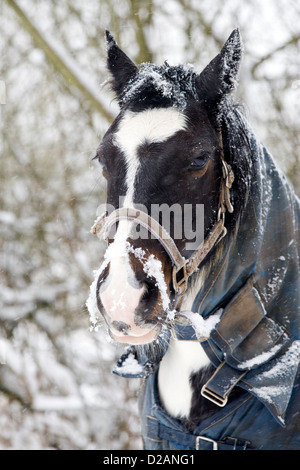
(119,65)
(219,77)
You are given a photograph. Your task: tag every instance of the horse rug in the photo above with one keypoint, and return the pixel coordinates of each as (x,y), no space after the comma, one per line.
(256,343)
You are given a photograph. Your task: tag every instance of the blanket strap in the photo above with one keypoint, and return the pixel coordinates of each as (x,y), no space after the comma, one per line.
(182,439)
(219,386)
(244,339)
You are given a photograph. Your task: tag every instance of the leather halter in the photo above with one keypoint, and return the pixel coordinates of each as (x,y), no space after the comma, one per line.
(182,268)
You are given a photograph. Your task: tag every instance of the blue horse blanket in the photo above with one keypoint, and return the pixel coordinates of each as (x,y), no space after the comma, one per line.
(256,344)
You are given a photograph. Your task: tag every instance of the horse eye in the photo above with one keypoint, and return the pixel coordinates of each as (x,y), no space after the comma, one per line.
(98,157)
(104,168)
(200,161)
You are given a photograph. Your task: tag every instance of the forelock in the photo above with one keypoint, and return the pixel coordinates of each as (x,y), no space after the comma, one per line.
(160,86)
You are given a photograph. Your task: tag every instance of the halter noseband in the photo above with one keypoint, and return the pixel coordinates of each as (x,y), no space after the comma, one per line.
(183,268)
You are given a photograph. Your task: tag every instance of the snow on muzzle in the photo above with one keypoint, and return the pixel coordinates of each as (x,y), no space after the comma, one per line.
(131,304)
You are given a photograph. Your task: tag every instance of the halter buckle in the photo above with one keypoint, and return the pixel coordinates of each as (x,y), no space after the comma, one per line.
(183,280)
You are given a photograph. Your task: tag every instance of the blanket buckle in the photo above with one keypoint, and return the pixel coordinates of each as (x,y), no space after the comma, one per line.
(203,438)
(213,397)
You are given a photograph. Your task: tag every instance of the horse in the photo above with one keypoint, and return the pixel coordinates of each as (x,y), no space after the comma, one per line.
(200,277)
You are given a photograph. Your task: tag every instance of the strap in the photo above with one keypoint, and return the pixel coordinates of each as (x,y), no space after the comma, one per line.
(206,246)
(140,217)
(219,386)
(245,332)
(157,431)
(181,276)
(182,267)
(245,338)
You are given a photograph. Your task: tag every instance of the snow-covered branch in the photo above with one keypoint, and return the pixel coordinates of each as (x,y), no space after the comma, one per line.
(63,62)
(294,40)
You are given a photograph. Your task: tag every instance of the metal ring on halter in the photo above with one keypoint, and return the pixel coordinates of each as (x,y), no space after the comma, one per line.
(180,284)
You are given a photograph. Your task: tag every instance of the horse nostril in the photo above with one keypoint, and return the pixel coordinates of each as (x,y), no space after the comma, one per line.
(121,326)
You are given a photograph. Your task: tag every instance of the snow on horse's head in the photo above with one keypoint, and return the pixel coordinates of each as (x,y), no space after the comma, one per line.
(163,158)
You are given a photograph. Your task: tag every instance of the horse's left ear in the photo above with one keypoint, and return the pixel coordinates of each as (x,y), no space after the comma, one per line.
(220,76)
(120,66)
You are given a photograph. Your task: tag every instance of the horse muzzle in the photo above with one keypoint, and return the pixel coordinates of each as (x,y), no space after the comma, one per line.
(120,305)
(129,301)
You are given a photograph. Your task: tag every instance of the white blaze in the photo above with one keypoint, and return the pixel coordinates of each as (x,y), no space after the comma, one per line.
(120,293)
(152,125)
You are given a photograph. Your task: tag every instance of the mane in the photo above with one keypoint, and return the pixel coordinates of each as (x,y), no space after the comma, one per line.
(238,153)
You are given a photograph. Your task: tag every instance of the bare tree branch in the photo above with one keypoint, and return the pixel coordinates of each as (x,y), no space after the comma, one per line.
(292,41)
(61,62)
(145,55)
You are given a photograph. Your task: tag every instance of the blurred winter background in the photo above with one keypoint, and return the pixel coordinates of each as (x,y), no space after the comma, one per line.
(56,386)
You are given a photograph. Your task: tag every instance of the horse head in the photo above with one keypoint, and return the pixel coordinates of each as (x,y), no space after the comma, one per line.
(168,187)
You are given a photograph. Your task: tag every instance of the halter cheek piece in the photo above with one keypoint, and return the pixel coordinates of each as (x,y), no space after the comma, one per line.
(182,268)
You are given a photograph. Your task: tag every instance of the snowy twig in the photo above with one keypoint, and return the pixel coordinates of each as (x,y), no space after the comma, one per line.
(62,62)
(292,40)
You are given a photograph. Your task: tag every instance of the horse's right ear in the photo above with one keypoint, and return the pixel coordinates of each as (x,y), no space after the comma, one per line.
(119,65)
